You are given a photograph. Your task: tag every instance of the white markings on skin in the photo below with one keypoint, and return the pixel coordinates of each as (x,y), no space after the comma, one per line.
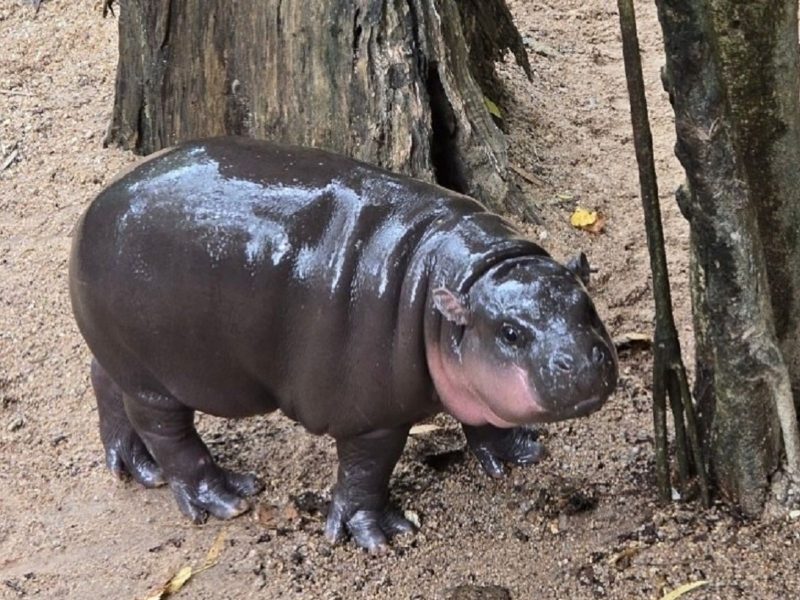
(384,242)
(207,202)
(342,232)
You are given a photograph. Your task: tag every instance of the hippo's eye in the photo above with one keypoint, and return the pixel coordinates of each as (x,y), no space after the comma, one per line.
(511,335)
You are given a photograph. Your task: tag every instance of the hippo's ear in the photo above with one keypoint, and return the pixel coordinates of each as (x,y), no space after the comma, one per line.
(580,266)
(452,306)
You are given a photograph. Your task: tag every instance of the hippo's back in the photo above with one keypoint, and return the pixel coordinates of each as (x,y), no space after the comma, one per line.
(240,276)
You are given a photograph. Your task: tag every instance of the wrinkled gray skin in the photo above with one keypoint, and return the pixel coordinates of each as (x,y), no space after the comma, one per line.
(237,277)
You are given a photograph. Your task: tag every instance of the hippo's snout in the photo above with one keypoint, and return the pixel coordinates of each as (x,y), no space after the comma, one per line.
(598,355)
(577,382)
(561,361)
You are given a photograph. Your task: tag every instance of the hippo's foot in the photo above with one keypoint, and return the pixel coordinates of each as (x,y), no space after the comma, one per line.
(201,487)
(214,490)
(126,454)
(370,529)
(360,498)
(493,447)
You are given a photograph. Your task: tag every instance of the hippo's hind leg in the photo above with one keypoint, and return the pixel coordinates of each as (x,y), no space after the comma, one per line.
(200,485)
(126,454)
(493,446)
(360,502)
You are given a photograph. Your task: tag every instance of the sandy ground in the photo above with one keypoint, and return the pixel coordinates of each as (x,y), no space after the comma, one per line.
(582,524)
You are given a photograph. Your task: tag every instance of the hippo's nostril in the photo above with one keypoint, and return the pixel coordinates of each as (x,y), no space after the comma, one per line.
(597,355)
(561,362)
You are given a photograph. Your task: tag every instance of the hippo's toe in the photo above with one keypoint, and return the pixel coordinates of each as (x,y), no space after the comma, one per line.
(126,455)
(370,529)
(219,492)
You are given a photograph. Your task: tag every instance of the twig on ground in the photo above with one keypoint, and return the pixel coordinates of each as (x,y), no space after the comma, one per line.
(17,93)
(527,175)
(10,157)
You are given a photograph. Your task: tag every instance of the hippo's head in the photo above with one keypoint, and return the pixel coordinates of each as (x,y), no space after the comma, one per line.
(525,345)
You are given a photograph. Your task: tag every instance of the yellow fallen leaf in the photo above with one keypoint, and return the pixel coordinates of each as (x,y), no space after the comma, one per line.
(582,218)
(680,591)
(173,585)
(180,578)
(493,109)
(213,553)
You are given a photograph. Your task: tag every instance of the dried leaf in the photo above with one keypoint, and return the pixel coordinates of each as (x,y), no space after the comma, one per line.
(591,221)
(527,175)
(290,512)
(424,428)
(622,560)
(598,225)
(173,585)
(267,515)
(583,218)
(179,580)
(185,574)
(493,109)
(216,549)
(680,591)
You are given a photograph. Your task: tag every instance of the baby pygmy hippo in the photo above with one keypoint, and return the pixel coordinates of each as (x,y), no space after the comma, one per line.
(237,277)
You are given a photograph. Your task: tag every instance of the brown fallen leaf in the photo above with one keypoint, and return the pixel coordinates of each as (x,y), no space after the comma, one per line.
(271,516)
(267,515)
(598,225)
(527,175)
(290,512)
(622,560)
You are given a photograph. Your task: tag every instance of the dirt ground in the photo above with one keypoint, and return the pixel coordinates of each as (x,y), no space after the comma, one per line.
(581,524)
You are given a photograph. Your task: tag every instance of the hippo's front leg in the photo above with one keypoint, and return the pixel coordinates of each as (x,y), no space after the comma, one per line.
(200,485)
(493,446)
(360,502)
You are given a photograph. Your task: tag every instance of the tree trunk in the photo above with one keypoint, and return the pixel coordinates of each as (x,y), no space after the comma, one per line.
(388,82)
(732,76)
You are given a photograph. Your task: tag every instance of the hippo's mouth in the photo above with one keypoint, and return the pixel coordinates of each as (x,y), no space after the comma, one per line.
(571,411)
(588,406)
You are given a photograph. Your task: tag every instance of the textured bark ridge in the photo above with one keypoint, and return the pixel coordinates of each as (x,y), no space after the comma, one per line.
(386,81)
(732,76)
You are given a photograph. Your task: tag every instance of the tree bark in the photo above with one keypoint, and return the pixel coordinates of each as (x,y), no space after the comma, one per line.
(386,81)
(736,121)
